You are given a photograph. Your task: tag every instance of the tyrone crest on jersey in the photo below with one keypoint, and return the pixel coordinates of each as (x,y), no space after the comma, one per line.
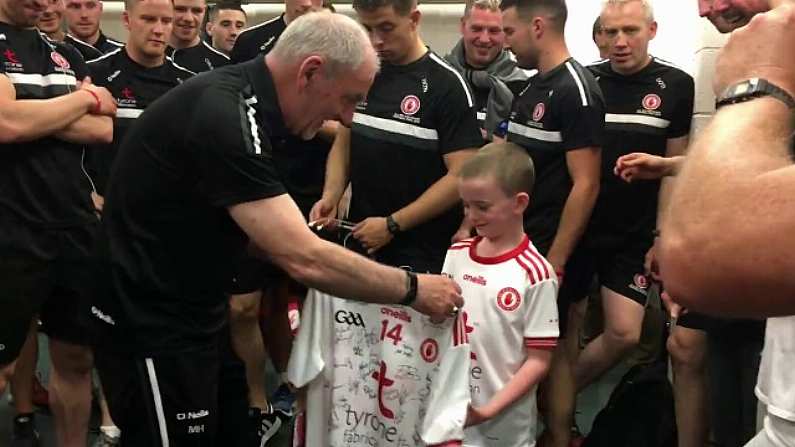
(61,64)
(508,299)
(651,102)
(410,105)
(650,105)
(538,111)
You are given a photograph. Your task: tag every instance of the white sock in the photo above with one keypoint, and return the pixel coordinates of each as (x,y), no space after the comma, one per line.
(111,430)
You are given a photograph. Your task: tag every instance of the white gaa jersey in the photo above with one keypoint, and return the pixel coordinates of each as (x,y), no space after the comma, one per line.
(510,304)
(380,375)
(776,384)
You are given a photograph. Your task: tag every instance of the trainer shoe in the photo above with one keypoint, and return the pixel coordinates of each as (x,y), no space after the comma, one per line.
(106,440)
(267,423)
(25,434)
(283,400)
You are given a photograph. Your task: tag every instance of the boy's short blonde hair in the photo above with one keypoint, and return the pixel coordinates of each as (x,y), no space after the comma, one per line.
(507,162)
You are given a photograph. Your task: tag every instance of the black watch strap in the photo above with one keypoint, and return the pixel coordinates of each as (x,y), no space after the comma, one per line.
(391,225)
(751,89)
(411,293)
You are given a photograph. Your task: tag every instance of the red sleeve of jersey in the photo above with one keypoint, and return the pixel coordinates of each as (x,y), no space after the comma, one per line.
(449,444)
(546,343)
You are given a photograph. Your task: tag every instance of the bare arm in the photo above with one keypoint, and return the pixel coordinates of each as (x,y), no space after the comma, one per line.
(276,226)
(27,120)
(328,132)
(731,201)
(88,129)
(584,168)
(675,149)
(337,169)
(727,239)
(440,197)
(532,371)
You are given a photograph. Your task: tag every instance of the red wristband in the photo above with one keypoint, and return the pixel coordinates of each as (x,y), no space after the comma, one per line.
(98,105)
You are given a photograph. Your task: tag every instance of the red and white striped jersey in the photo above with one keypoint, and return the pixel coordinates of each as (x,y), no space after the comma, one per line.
(509,305)
(380,375)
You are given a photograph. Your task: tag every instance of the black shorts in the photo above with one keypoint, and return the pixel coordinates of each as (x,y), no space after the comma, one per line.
(162,400)
(618,268)
(696,321)
(45,272)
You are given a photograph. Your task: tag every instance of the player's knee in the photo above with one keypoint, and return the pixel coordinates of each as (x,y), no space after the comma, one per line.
(244,310)
(623,338)
(72,360)
(686,352)
(6,372)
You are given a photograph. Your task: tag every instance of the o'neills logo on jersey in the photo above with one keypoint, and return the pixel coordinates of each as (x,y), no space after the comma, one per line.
(508,299)
(399,314)
(538,111)
(349,318)
(410,105)
(651,102)
(480,280)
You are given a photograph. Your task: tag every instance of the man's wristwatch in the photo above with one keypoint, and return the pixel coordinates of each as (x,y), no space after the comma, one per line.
(391,225)
(751,89)
(411,292)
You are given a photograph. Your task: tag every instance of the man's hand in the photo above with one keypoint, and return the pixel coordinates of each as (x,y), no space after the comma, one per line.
(464,232)
(437,296)
(558,263)
(675,310)
(322,212)
(641,166)
(476,415)
(99,201)
(762,49)
(107,104)
(372,233)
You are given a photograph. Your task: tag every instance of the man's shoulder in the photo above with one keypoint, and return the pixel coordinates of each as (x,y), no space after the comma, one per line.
(176,70)
(215,55)
(262,31)
(577,85)
(446,78)
(670,72)
(106,61)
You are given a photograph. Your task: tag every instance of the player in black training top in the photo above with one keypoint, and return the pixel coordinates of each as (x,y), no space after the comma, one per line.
(260,39)
(186,46)
(83,20)
(649,109)
(407,141)
(47,220)
(136,75)
(559,119)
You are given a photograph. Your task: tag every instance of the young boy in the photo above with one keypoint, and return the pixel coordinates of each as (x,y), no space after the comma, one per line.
(510,292)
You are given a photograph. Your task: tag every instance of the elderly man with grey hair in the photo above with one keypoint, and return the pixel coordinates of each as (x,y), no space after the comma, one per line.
(186,197)
(487,66)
